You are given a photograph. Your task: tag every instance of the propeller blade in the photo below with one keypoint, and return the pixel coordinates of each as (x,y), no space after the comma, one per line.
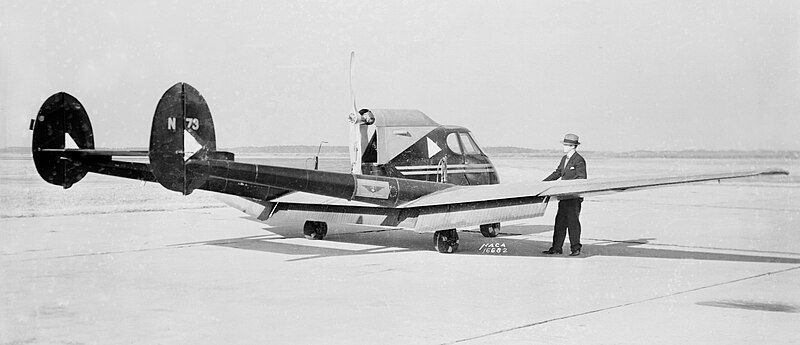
(352,94)
(355,140)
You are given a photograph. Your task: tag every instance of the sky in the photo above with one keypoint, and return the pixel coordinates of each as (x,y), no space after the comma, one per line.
(623,75)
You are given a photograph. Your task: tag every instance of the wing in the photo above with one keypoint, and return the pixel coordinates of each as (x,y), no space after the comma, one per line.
(570,188)
(464,206)
(583,188)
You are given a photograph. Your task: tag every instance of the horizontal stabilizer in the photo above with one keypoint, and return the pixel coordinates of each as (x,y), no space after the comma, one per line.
(91,152)
(63,120)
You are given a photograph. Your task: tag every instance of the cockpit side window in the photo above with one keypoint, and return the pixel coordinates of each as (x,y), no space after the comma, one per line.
(470,147)
(371,152)
(452,143)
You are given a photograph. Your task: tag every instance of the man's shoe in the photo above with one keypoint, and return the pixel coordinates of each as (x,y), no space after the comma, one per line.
(575,253)
(551,252)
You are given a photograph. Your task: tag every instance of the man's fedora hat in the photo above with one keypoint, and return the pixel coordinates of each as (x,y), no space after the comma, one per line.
(570,139)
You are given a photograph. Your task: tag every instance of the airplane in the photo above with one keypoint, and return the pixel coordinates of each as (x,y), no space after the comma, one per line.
(408,171)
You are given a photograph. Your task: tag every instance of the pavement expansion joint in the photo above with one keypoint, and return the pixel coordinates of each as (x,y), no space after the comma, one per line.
(623,305)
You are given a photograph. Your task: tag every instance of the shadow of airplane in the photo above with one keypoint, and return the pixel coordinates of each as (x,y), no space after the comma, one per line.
(288,239)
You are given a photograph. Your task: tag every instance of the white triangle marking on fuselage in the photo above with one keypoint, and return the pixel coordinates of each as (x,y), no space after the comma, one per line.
(433,148)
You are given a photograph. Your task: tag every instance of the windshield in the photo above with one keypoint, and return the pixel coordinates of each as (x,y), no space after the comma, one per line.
(470,147)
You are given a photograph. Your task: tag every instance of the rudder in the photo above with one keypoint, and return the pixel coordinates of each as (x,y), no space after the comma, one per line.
(60,114)
(182,129)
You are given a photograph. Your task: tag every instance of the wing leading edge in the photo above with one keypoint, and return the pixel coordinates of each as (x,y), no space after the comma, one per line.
(582,188)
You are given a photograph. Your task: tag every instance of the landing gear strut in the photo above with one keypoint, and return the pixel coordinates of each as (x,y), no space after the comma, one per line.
(490,230)
(445,241)
(315,230)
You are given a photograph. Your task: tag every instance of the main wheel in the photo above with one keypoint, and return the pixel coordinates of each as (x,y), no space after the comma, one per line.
(445,241)
(490,230)
(315,230)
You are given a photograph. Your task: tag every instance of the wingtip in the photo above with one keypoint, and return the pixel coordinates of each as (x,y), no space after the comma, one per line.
(775,171)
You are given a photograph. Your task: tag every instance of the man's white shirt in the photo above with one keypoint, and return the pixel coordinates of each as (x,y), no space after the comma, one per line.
(568,155)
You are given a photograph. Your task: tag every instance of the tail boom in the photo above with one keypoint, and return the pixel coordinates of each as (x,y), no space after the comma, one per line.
(377,190)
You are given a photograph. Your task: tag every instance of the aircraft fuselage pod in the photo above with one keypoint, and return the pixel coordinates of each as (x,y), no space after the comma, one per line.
(408,144)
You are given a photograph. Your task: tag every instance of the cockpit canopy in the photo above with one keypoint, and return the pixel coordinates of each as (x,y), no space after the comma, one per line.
(408,144)
(394,131)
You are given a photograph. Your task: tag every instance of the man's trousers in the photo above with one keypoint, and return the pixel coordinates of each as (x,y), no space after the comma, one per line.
(567,218)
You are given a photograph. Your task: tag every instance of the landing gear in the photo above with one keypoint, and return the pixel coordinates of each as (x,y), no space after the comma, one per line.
(445,241)
(315,230)
(490,230)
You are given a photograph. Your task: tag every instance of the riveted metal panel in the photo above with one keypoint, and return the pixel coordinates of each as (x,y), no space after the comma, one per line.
(458,216)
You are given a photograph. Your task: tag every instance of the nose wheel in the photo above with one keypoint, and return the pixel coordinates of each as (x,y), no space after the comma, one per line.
(490,230)
(445,241)
(315,230)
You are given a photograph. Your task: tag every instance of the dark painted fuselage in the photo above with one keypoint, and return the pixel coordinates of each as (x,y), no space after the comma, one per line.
(446,154)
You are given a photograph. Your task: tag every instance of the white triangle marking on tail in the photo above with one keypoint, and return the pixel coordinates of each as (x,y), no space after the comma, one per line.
(69,143)
(190,145)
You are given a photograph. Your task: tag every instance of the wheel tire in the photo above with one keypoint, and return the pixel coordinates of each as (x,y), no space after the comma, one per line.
(321,231)
(490,230)
(446,241)
(308,229)
(315,230)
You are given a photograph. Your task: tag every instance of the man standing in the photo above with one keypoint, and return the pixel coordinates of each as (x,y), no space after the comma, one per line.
(571,167)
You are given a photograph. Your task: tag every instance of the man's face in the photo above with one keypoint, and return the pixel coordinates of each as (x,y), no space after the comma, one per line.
(568,148)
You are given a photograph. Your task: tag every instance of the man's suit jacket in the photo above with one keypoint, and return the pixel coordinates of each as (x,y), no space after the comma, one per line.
(574,169)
